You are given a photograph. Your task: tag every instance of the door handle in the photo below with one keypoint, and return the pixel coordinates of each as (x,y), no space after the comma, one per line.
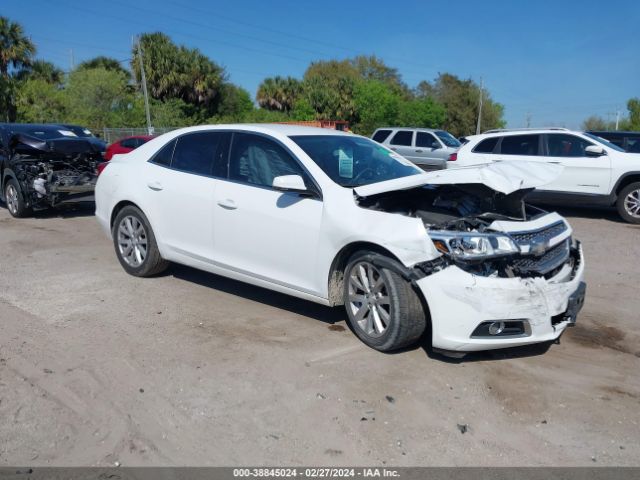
(155,185)
(418,151)
(556,163)
(394,148)
(227,204)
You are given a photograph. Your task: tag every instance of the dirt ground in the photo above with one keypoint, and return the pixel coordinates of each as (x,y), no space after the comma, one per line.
(189,368)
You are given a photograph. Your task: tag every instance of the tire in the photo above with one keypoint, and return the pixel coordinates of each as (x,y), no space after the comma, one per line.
(15,201)
(135,244)
(392,303)
(628,203)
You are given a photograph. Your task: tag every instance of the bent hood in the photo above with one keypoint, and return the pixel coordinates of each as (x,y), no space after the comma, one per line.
(505,177)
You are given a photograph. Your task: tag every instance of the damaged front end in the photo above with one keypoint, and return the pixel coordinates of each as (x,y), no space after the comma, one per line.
(55,171)
(509,273)
(483,231)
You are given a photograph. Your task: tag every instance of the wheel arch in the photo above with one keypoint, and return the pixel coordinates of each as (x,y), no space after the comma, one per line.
(118,207)
(627,179)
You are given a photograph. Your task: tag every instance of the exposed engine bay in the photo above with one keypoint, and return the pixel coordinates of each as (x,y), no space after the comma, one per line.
(51,172)
(459,219)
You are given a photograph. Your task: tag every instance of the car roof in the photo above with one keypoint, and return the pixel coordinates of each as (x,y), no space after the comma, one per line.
(417,129)
(268,128)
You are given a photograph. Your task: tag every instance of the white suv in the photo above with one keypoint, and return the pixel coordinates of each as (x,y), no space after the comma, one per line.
(596,172)
(338,219)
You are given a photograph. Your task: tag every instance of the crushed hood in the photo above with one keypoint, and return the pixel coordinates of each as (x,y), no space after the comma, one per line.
(505,177)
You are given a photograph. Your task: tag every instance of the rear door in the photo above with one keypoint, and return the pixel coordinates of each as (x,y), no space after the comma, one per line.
(402,142)
(582,173)
(180,190)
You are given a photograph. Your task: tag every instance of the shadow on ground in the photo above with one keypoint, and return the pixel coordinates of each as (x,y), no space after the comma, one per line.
(71,210)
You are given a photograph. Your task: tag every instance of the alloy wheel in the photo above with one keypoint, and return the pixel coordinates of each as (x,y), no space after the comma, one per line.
(369,299)
(12,199)
(132,241)
(632,203)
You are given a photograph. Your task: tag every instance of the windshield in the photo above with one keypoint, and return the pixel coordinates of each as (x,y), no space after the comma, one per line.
(606,143)
(352,161)
(448,139)
(45,133)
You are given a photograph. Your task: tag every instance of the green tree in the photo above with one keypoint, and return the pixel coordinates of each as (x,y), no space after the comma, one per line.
(373,68)
(107,63)
(595,122)
(41,70)
(633,105)
(421,112)
(40,101)
(376,104)
(178,72)
(278,93)
(16,51)
(329,86)
(460,100)
(98,98)
(235,105)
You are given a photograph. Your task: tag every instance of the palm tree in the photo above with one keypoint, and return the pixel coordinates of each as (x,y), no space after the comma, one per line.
(278,93)
(16,49)
(41,70)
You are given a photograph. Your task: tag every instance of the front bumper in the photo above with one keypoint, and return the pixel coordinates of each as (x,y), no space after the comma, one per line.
(459,302)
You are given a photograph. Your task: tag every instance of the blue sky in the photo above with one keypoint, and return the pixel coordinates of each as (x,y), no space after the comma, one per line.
(558,62)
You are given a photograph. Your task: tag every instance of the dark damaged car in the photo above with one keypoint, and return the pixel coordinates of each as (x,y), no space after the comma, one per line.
(44,166)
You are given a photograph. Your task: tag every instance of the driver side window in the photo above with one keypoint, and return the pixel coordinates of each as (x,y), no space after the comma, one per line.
(563,145)
(257,160)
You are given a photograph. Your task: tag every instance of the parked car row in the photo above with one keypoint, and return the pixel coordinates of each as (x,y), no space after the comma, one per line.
(339,219)
(596,171)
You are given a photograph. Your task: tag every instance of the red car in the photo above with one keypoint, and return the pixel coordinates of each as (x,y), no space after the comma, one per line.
(125,145)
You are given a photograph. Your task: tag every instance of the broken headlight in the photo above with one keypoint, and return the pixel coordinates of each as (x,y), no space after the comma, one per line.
(473,246)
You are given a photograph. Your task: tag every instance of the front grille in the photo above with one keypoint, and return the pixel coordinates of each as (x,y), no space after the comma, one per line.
(539,236)
(550,260)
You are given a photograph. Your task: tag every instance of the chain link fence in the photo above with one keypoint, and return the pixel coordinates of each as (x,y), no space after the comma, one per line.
(111,135)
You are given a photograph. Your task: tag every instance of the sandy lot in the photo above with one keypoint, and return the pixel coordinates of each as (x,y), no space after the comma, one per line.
(98,367)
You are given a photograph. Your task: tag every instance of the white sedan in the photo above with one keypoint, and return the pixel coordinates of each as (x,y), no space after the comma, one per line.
(455,256)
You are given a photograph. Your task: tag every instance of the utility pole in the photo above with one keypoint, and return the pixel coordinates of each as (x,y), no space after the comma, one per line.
(143,79)
(617,119)
(528,120)
(480,107)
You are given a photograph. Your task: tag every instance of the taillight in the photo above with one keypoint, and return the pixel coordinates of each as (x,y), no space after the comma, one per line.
(453,157)
(100,167)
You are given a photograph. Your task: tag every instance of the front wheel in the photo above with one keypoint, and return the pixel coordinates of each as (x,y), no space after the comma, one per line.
(135,244)
(15,201)
(383,309)
(628,203)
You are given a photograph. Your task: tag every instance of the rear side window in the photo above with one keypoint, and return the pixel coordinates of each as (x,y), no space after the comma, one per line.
(163,157)
(563,145)
(196,152)
(486,146)
(424,139)
(381,135)
(129,143)
(520,145)
(402,138)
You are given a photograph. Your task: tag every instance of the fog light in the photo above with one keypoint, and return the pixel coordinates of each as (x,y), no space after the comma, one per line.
(496,328)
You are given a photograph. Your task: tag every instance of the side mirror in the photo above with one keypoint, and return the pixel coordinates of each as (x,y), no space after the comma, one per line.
(435,145)
(595,151)
(289,183)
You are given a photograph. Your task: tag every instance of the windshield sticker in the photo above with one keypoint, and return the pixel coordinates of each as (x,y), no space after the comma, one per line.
(67,133)
(345,163)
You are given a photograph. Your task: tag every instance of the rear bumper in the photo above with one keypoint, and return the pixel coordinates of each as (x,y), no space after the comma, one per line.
(459,302)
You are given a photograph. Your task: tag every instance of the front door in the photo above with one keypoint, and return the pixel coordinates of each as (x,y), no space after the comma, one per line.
(262,232)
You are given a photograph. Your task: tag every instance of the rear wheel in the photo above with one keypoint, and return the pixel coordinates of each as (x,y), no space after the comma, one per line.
(135,244)
(628,203)
(383,309)
(15,201)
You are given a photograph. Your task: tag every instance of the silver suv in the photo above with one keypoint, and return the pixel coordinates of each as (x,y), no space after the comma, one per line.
(426,147)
